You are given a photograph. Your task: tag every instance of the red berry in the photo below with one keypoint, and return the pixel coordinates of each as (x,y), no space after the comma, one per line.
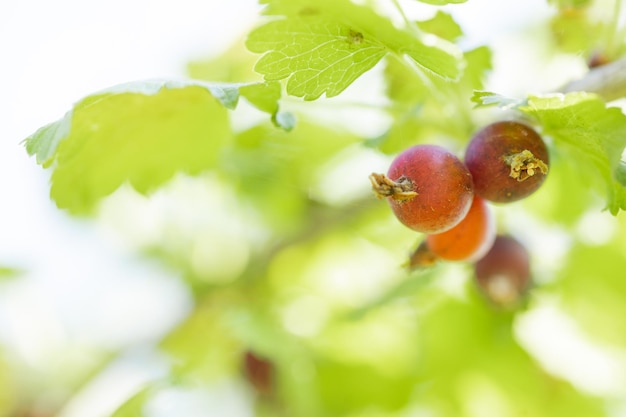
(503,274)
(469,240)
(597,59)
(430,190)
(259,372)
(508,161)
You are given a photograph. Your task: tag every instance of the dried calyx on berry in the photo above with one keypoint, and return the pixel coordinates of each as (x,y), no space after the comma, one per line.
(508,161)
(428,188)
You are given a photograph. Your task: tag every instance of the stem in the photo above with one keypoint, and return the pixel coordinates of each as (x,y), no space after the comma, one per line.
(422,257)
(408,23)
(607,81)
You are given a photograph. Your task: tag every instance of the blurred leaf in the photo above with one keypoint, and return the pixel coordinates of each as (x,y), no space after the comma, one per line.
(561,200)
(285,120)
(403,289)
(321,47)
(473,364)
(44,142)
(143,133)
(593,289)
(265,97)
(478,66)
(589,132)
(7,273)
(442,25)
(142,139)
(427,109)
(232,66)
(134,406)
(384,373)
(620,173)
(574,31)
(274,169)
(203,347)
(487,98)
(10,386)
(346,388)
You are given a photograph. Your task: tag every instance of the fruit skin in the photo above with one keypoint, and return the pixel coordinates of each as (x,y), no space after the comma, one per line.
(443,185)
(469,240)
(503,274)
(488,157)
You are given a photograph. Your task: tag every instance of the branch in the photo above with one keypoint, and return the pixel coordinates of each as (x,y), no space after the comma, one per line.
(608,81)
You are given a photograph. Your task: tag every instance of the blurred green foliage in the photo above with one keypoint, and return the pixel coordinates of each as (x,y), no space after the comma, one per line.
(322,289)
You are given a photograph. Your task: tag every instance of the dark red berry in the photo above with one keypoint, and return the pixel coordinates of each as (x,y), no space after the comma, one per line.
(429,189)
(597,59)
(503,274)
(259,372)
(508,161)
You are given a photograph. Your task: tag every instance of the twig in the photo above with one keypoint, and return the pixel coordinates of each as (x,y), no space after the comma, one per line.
(608,81)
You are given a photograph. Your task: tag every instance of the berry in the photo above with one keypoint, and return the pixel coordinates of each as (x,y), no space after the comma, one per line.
(259,372)
(470,239)
(429,189)
(503,274)
(597,59)
(508,161)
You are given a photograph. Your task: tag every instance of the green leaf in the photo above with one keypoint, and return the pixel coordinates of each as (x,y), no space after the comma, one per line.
(487,98)
(134,406)
(589,132)
(265,97)
(234,65)
(592,289)
(493,369)
(318,57)
(44,142)
(620,173)
(566,195)
(478,65)
(442,25)
(7,273)
(322,47)
(142,133)
(202,347)
(142,136)
(342,386)
(575,32)
(275,169)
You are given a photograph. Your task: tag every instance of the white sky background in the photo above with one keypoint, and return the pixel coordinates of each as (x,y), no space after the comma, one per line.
(52,53)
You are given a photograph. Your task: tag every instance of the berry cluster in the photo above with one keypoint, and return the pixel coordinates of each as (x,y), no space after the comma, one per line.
(432,191)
